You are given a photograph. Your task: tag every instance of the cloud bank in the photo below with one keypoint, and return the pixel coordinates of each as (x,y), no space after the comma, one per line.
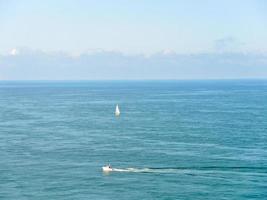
(38,65)
(227,44)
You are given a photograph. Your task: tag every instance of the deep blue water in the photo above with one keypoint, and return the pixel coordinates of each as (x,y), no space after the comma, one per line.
(182,139)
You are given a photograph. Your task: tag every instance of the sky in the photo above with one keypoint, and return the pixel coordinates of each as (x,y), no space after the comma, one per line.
(138,39)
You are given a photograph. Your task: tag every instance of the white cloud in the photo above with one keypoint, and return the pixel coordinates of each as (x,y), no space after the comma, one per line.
(14,52)
(168,52)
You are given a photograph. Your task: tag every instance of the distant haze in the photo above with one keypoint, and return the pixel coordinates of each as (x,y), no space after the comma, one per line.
(114,65)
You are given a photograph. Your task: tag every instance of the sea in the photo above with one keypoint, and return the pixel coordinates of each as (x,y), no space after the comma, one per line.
(187,139)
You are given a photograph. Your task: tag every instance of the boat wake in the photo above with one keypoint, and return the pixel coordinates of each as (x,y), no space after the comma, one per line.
(194,170)
(133,170)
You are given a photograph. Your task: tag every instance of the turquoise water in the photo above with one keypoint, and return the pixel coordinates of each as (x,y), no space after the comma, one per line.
(173,140)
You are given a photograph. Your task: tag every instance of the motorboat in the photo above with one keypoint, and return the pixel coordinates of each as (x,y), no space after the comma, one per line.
(107,168)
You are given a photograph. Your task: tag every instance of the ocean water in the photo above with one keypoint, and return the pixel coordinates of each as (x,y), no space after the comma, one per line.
(173,140)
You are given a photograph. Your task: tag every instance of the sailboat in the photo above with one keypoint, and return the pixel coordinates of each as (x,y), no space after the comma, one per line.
(117,111)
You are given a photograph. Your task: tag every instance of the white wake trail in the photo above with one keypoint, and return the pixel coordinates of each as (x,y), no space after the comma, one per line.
(132,170)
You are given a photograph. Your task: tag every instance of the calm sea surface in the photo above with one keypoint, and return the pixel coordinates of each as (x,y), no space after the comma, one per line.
(173,140)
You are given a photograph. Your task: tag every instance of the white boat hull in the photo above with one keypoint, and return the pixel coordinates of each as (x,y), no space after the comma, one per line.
(107,169)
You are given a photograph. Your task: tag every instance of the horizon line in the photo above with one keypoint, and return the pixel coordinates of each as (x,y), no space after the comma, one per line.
(84,80)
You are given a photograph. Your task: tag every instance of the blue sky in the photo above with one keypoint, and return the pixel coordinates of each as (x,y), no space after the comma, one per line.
(149,29)
(137,26)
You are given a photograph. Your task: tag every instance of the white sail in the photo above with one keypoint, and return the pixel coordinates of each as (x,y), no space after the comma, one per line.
(117,111)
